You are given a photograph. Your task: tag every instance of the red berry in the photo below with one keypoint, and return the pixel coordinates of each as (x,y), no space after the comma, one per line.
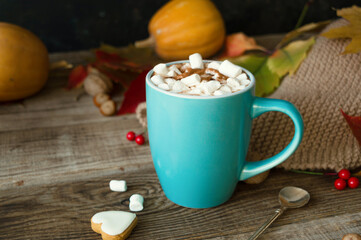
(353,182)
(344,174)
(340,184)
(139,140)
(131,136)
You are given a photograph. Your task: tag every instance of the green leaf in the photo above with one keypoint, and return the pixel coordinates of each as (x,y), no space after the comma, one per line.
(266,81)
(287,59)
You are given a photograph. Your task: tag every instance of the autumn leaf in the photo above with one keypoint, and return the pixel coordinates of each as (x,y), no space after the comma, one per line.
(287,59)
(134,95)
(269,69)
(238,43)
(355,125)
(311,27)
(266,81)
(76,77)
(352,30)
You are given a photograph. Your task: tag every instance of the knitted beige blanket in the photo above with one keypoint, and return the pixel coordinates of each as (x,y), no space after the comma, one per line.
(325,82)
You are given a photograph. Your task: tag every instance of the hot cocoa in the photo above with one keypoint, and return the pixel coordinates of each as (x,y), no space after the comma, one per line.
(211,78)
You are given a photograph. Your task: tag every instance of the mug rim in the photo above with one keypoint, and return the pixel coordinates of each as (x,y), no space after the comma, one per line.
(152,85)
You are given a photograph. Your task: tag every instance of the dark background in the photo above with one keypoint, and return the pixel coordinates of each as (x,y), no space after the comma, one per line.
(82,24)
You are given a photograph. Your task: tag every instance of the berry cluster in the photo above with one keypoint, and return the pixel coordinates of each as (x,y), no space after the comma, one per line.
(345,175)
(138,139)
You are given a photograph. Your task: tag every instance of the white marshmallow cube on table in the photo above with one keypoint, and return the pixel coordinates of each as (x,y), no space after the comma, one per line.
(136,203)
(118,185)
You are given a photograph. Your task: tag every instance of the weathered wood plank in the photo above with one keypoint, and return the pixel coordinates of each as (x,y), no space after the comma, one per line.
(55,154)
(62,211)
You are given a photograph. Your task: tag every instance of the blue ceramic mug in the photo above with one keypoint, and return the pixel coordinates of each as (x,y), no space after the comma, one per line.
(199,144)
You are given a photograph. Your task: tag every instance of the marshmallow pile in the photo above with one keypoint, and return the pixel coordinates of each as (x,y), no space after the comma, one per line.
(200,78)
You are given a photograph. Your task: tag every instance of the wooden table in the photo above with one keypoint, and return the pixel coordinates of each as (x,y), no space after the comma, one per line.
(59,154)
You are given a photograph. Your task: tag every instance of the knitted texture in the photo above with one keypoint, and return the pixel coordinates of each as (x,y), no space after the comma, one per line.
(325,82)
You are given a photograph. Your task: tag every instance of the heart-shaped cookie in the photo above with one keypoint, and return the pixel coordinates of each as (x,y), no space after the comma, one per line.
(114,225)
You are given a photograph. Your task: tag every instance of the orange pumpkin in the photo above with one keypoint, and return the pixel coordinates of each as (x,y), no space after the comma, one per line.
(24,63)
(183,27)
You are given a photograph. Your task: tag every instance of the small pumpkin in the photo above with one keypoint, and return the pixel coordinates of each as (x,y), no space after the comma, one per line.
(24,63)
(183,27)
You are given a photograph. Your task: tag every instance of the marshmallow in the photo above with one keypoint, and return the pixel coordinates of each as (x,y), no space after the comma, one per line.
(185,66)
(175,69)
(209,87)
(156,79)
(191,80)
(179,87)
(242,76)
(234,84)
(215,76)
(218,93)
(196,61)
(214,65)
(136,202)
(229,69)
(118,185)
(226,89)
(164,86)
(245,82)
(170,82)
(161,69)
(171,73)
(195,91)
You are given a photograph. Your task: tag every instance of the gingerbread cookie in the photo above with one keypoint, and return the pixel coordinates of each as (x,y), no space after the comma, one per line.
(114,225)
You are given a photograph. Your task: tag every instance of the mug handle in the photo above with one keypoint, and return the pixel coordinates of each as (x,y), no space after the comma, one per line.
(260,106)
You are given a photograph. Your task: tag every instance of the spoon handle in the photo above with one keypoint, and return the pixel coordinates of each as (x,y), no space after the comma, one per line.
(267,223)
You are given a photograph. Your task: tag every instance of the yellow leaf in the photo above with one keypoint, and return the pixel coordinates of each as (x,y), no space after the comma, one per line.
(287,59)
(352,31)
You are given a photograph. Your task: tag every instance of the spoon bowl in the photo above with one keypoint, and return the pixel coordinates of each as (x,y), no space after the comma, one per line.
(293,197)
